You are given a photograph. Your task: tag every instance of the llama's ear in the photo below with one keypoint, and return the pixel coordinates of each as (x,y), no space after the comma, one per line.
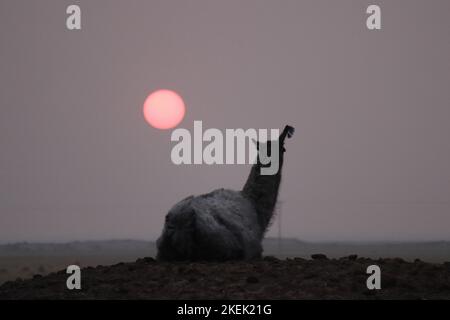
(290,131)
(256,143)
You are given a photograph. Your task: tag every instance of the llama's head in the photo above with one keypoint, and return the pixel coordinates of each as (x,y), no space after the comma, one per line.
(270,153)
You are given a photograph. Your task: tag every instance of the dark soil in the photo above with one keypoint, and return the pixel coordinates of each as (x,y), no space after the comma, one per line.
(269,278)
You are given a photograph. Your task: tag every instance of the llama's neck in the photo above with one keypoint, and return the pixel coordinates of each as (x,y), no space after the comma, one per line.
(262,190)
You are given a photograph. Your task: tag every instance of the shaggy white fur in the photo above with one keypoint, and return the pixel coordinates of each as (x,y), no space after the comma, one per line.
(220,225)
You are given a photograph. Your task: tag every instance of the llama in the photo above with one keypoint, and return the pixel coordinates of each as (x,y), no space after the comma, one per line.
(224,224)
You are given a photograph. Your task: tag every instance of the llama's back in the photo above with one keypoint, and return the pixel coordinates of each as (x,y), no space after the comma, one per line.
(220,225)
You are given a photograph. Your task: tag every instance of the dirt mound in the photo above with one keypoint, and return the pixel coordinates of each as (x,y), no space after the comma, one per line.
(268,278)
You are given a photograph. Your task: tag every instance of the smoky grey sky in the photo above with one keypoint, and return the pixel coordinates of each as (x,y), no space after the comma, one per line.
(370,159)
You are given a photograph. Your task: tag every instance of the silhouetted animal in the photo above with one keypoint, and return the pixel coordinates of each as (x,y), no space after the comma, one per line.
(224,224)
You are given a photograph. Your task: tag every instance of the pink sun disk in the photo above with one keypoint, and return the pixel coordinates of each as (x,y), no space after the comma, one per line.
(164,109)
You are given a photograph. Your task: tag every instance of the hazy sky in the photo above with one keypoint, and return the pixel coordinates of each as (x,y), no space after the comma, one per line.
(370,159)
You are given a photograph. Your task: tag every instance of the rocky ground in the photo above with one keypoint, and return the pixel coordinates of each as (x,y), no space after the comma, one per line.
(268,278)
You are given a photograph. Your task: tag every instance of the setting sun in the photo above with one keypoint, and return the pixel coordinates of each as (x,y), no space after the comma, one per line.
(164,109)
